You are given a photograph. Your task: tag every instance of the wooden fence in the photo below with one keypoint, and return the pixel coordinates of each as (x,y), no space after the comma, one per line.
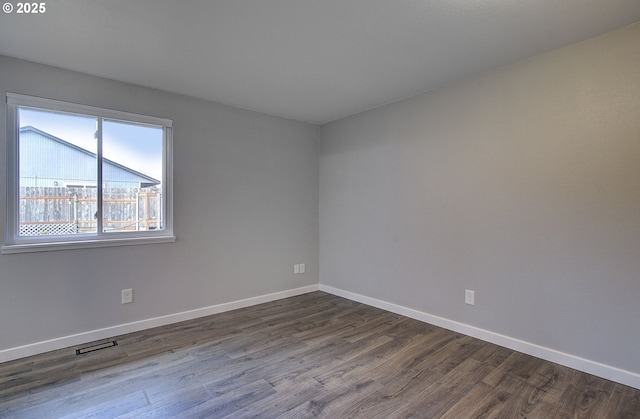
(73,210)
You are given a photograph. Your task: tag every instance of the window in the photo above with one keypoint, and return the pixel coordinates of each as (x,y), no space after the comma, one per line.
(81,176)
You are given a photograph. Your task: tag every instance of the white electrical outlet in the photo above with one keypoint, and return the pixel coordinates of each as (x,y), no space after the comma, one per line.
(127,296)
(299,268)
(470,297)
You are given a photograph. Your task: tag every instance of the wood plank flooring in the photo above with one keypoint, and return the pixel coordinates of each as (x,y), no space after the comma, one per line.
(305,356)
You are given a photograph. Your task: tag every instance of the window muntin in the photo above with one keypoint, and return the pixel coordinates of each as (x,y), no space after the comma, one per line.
(84,174)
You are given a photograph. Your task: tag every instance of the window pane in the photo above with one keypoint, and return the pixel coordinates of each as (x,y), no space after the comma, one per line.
(132,177)
(57,173)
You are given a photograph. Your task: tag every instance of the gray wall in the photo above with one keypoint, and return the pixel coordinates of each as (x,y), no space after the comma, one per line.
(522,184)
(246,210)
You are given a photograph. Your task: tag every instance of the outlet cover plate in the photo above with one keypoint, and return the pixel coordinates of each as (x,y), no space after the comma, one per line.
(470,297)
(127,296)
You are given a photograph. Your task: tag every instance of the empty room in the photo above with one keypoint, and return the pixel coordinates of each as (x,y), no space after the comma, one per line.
(291,209)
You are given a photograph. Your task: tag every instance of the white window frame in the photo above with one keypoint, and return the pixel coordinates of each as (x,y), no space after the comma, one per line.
(14,243)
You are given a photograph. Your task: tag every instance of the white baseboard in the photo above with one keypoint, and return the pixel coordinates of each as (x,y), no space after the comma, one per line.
(591,367)
(108,332)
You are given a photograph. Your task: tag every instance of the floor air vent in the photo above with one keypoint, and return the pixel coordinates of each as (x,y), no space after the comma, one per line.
(97,347)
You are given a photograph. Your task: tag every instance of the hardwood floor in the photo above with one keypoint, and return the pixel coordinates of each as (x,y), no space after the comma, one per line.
(305,356)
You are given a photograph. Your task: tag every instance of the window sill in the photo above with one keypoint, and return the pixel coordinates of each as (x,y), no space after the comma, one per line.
(83,244)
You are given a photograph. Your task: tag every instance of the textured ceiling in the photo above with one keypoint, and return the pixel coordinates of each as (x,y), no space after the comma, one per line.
(310,60)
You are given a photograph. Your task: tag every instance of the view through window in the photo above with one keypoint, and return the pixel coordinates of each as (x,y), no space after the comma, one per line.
(81,175)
